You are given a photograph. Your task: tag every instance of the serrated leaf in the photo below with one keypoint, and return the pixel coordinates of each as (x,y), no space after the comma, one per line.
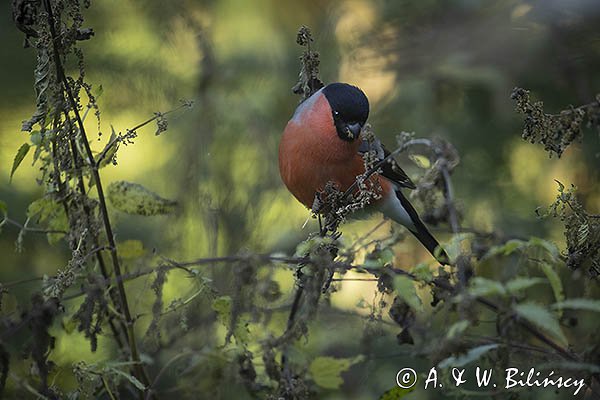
(130,249)
(405,289)
(485,287)
(542,318)
(522,283)
(579,304)
(326,371)
(420,160)
(41,85)
(132,379)
(396,393)
(583,233)
(464,359)
(132,198)
(21,153)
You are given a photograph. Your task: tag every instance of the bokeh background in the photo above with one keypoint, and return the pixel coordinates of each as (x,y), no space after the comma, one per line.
(433,67)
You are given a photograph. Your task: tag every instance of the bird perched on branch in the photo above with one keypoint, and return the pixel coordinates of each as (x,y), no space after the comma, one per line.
(322,143)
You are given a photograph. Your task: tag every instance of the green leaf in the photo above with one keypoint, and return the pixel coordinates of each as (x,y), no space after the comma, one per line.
(379,258)
(423,272)
(132,198)
(132,379)
(546,245)
(542,318)
(21,153)
(522,283)
(511,246)
(109,152)
(41,86)
(457,329)
(308,246)
(70,325)
(41,208)
(396,393)
(405,289)
(554,280)
(507,248)
(579,304)
(35,137)
(420,160)
(58,221)
(386,256)
(222,306)
(485,287)
(464,359)
(130,249)
(3,208)
(326,371)
(52,215)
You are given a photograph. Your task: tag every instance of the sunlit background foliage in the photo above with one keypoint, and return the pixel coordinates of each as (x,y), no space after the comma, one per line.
(436,68)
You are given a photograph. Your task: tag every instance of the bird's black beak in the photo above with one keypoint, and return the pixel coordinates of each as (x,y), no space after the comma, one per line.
(352,131)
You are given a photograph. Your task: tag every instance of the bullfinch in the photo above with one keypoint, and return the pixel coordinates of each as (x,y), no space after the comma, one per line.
(322,143)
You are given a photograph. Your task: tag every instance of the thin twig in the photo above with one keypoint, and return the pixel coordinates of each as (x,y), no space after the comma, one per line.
(376,167)
(119,137)
(28,229)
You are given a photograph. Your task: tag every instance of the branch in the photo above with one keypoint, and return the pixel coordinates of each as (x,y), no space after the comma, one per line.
(25,228)
(119,138)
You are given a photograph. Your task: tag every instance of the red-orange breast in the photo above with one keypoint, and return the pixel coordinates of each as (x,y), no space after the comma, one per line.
(311,154)
(321,144)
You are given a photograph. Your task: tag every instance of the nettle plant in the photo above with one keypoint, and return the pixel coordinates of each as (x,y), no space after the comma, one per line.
(437,313)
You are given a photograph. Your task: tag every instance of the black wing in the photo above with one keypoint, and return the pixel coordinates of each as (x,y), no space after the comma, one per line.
(390,169)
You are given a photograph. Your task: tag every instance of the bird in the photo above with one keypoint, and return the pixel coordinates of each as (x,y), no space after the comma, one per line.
(322,143)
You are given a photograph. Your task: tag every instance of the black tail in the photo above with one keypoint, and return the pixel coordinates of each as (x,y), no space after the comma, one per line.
(431,244)
(422,233)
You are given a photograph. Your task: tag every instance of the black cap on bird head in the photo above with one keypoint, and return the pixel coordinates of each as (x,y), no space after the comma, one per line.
(350,108)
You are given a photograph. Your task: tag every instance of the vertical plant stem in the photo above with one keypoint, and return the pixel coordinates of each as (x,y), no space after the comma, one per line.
(77,162)
(138,368)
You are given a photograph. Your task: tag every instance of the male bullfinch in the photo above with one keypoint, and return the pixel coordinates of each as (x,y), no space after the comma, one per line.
(322,143)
